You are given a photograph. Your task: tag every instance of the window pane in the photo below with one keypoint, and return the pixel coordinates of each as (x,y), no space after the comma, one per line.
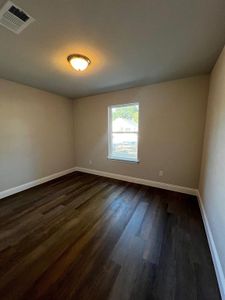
(125,118)
(124,145)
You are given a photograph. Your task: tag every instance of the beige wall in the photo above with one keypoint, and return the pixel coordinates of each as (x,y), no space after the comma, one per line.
(212,180)
(36,134)
(172,117)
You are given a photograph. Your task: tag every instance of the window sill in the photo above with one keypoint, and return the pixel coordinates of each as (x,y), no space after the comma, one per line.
(128,160)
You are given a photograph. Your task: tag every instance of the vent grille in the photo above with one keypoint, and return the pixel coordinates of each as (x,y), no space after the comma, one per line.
(14,18)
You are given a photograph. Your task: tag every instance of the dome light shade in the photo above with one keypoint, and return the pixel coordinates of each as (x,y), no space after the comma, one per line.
(79,62)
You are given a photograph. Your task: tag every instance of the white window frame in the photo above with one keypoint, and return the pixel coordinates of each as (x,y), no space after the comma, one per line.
(111,157)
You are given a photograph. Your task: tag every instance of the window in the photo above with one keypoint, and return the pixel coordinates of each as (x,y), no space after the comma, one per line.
(123,132)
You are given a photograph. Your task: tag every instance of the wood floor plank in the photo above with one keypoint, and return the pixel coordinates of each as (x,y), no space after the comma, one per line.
(83,236)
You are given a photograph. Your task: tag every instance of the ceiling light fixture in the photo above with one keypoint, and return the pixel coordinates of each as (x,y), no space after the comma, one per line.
(79,62)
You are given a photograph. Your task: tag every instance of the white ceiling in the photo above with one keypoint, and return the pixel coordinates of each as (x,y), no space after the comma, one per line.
(130,43)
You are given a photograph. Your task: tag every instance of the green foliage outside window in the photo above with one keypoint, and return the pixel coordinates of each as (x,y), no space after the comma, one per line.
(126,112)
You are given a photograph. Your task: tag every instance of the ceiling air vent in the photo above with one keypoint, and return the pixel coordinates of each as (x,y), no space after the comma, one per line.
(14,18)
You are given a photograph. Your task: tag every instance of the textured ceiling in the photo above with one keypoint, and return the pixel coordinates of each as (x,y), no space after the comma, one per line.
(130,43)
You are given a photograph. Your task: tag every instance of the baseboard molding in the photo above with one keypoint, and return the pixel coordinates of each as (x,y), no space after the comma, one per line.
(166,186)
(215,257)
(33,183)
(157,184)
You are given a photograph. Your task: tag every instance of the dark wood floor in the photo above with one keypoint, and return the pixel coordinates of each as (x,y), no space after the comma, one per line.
(87,237)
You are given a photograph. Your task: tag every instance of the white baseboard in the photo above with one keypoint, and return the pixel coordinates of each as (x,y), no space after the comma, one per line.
(157,184)
(215,257)
(33,183)
(166,186)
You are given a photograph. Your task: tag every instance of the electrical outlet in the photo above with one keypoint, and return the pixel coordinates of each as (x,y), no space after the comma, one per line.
(161,173)
(90,162)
